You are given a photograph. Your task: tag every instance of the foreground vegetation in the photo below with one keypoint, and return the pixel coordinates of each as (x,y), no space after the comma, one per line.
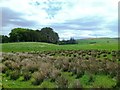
(92,63)
(61,69)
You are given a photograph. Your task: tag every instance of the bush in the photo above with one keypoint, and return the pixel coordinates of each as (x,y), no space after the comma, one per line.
(14,75)
(32,67)
(118,84)
(15,66)
(3,68)
(79,73)
(76,84)
(54,74)
(62,82)
(38,78)
(12,65)
(65,65)
(8,72)
(27,76)
(8,64)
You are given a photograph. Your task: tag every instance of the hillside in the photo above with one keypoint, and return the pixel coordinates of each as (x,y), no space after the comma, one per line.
(98,40)
(89,64)
(99,43)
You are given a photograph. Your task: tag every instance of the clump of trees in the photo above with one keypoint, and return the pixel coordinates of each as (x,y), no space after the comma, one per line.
(71,41)
(28,35)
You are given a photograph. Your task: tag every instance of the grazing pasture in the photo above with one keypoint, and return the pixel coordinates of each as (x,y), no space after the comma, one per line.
(101,44)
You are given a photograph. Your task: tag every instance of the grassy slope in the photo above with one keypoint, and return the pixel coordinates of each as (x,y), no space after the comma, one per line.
(98,40)
(82,44)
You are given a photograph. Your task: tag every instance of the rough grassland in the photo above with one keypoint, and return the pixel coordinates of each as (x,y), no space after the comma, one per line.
(87,80)
(70,68)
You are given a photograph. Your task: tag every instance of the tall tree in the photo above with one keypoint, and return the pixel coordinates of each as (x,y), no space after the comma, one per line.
(16,35)
(48,35)
(4,39)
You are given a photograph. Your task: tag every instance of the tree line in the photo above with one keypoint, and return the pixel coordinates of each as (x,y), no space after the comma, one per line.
(28,35)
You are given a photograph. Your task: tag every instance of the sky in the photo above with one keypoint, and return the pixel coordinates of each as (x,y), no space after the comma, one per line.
(69,18)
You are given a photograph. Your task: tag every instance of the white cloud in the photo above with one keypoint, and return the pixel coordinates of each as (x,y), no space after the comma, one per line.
(82,8)
(66,10)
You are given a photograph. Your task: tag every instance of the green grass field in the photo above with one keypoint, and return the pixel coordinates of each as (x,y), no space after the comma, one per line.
(99,81)
(107,44)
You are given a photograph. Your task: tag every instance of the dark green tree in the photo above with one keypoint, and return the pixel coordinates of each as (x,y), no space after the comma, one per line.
(48,35)
(0,38)
(28,35)
(4,39)
(17,35)
(71,41)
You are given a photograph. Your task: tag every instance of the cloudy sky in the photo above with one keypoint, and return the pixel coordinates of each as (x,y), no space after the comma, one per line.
(69,18)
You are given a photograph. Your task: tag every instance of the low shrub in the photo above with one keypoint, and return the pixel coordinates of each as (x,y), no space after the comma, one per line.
(14,75)
(79,73)
(76,84)
(8,64)
(3,68)
(15,66)
(32,67)
(62,82)
(38,78)
(54,74)
(118,84)
(8,72)
(27,76)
